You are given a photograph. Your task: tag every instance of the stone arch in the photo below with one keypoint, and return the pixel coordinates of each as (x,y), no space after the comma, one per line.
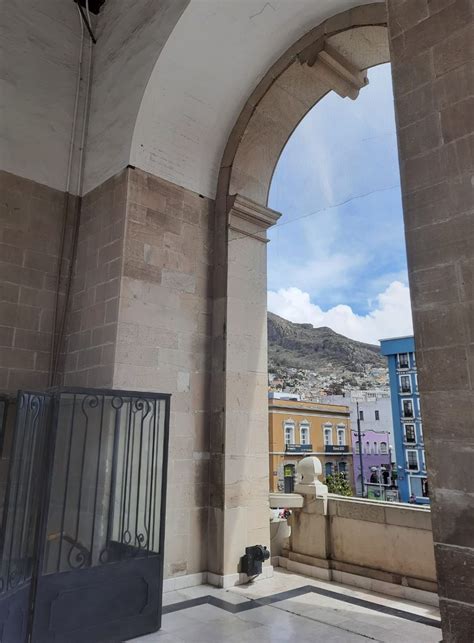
(333,56)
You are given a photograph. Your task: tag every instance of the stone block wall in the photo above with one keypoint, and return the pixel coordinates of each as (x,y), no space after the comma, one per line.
(94,300)
(432,51)
(31,220)
(163,343)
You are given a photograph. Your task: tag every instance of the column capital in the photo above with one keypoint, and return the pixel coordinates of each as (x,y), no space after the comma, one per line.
(250,219)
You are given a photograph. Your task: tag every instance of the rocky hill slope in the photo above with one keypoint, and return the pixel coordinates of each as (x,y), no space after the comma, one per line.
(330,358)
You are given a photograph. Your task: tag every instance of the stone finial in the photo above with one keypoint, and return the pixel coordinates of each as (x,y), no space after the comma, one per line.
(310,469)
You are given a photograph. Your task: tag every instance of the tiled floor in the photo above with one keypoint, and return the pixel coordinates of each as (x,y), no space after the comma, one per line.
(289,607)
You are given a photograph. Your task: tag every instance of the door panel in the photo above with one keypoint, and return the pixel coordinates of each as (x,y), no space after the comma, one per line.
(109,603)
(83,527)
(100,571)
(19,538)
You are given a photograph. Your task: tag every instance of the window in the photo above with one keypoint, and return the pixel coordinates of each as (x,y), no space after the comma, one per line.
(419,486)
(405,384)
(410,435)
(375,448)
(342,467)
(367,448)
(304,433)
(357,448)
(289,432)
(327,436)
(341,437)
(407,408)
(328,469)
(377,415)
(412,460)
(361,415)
(424,488)
(403,360)
(383,448)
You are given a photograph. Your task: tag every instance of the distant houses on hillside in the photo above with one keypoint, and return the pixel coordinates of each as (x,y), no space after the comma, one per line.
(374,437)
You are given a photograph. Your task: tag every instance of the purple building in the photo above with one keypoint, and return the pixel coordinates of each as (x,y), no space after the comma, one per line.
(376,458)
(374,409)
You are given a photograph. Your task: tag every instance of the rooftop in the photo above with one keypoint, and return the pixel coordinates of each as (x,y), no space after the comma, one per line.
(332,409)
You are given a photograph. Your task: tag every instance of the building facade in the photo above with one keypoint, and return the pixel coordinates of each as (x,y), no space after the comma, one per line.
(375,461)
(407,420)
(375,416)
(298,429)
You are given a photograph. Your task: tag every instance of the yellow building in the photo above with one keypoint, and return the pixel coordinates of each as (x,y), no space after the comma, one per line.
(298,429)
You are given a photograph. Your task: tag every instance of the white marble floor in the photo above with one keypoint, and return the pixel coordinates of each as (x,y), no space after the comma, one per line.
(311,611)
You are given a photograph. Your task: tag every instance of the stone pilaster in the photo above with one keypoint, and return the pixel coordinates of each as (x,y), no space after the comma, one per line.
(239,439)
(432,51)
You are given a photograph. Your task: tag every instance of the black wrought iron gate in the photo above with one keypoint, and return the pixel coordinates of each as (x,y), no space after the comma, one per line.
(83,528)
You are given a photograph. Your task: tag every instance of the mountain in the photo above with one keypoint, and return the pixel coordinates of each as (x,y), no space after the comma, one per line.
(329,356)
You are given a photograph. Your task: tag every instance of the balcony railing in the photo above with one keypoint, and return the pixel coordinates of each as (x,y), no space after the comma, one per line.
(298,448)
(405,389)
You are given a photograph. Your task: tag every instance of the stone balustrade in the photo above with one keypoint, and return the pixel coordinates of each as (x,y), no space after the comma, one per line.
(383,546)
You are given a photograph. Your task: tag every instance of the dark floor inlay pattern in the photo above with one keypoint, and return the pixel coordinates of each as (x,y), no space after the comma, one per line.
(237,608)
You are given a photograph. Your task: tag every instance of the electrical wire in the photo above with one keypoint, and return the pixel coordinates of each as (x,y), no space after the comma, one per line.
(329,207)
(66,204)
(55,354)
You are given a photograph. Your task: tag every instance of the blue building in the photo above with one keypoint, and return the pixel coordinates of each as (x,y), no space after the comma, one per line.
(407,422)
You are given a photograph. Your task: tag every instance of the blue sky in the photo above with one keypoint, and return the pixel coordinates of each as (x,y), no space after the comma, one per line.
(340,240)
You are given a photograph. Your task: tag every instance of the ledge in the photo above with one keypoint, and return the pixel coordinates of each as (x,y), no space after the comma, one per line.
(286,500)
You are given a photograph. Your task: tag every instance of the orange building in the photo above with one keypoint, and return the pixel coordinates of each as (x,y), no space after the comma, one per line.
(298,429)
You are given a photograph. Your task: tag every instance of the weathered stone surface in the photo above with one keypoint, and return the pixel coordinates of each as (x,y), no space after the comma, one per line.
(92,320)
(432,58)
(31,218)
(456,569)
(163,342)
(458,621)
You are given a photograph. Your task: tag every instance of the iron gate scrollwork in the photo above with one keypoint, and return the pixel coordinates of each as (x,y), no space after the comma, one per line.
(99,551)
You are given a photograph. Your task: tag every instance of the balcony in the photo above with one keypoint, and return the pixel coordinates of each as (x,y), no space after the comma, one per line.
(298,448)
(403,366)
(289,606)
(405,390)
(336,448)
(320,541)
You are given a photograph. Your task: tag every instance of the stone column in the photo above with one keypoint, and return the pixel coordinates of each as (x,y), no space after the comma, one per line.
(239,513)
(432,51)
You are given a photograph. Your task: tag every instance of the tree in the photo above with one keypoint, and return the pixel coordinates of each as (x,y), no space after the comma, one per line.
(337,483)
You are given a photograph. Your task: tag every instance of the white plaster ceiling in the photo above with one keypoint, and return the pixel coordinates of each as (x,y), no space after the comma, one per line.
(39,51)
(215,56)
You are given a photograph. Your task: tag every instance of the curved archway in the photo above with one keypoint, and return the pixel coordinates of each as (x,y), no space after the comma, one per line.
(332,57)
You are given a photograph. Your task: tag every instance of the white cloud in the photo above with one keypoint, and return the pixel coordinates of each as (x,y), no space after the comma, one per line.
(390,316)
